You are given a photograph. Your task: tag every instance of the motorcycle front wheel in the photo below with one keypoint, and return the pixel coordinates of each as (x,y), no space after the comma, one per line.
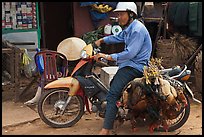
(50,104)
(180,120)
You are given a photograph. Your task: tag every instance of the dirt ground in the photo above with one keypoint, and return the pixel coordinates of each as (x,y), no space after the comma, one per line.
(88,125)
(91,125)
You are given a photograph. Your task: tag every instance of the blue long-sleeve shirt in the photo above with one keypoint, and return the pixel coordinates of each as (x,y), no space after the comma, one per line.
(138,46)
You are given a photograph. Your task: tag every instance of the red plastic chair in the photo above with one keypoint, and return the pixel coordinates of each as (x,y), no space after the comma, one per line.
(51,63)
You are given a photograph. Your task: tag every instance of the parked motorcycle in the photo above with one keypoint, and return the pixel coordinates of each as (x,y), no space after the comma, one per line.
(64,100)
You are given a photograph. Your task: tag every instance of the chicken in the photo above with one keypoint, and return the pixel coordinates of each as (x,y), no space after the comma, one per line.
(168,91)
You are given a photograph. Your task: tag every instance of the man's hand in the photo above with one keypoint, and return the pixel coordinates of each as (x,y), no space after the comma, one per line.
(98,42)
(99,55)
(102,55)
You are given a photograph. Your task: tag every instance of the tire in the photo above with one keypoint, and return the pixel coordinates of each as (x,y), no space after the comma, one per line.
(48,104)
(179,123)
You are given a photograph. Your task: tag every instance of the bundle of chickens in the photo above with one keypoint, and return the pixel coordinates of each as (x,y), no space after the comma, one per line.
(152,91)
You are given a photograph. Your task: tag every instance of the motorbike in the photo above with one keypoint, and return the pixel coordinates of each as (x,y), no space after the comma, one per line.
(64,100)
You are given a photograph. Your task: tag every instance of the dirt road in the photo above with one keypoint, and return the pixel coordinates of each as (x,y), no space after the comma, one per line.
(91,125)
(88,125)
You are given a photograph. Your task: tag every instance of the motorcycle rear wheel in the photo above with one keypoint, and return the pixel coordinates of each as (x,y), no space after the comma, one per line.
(180,120)
(49,108)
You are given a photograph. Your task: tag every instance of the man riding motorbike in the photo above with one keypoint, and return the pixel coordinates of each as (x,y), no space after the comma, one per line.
(131,60)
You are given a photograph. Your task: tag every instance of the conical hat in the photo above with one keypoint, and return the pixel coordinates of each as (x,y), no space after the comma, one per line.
(71,48)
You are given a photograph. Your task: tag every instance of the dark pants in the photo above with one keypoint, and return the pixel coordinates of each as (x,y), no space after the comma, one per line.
(121,78)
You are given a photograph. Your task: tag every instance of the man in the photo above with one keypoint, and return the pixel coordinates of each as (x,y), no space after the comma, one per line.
(131,60)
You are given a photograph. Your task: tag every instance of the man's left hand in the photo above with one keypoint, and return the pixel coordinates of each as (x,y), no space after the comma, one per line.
(99,55)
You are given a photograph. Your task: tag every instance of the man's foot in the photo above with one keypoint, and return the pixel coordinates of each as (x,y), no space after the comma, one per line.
(104,132)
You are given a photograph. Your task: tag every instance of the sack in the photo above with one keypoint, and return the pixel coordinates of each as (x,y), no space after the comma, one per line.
(186,17)
(195,19)
(40,62)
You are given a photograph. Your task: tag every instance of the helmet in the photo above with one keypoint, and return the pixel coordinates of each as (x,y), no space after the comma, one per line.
(126,6)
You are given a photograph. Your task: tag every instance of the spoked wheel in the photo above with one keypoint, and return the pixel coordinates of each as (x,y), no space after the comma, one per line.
(50,108)
(180,120)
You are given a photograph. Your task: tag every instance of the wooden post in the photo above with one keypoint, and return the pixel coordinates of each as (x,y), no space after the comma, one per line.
(165,20)
(190,60)
(157,36)
(17,73)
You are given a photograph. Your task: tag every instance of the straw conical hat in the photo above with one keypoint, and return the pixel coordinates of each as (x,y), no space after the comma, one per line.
(71,48)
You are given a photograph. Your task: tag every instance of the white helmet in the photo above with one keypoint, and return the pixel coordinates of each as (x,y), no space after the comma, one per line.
(126,6)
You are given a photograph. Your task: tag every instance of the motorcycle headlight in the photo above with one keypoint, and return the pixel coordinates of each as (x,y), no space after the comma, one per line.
(84,55)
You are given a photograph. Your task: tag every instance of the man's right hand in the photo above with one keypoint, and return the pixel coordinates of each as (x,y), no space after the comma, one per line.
(98,42)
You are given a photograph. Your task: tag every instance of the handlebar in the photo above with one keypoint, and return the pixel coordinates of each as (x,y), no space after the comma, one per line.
(97,49)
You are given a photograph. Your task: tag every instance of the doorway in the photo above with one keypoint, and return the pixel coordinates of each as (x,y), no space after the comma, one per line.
(56,20)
